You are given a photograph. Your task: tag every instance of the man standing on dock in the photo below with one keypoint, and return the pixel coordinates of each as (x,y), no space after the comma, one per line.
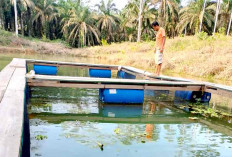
(159,46)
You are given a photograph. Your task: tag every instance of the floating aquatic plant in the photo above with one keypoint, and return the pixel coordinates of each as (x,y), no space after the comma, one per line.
(193,118)
(47,105)
(199,109)
(40,137)
(117,130)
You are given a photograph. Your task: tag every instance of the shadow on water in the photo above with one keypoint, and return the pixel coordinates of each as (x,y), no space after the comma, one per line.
(26,128)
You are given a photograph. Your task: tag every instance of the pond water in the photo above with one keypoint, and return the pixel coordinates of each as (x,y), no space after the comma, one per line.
(72,122)
(75,123)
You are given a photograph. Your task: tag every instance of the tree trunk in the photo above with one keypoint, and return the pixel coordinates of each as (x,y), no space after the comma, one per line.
(16,17)
(22,25)
(140,21)
(29,22)
(185,31)
(228,31)
(203,12)
(216,17)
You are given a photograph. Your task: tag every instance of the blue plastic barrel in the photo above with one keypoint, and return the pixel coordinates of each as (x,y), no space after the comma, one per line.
(122,111)
(45,70)
(193,96)
(125,75)
(206,97)
(185,95)
(101,73)
(124,96)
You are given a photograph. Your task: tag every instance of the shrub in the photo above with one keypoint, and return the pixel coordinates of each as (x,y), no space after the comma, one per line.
(202,35)
(222,30)
(104,42)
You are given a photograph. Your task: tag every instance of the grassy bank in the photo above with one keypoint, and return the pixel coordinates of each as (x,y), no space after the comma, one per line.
(209,57)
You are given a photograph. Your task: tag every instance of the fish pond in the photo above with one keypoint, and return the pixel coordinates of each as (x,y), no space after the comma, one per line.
(68,122)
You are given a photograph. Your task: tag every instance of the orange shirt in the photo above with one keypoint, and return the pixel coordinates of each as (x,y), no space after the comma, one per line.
(159,38)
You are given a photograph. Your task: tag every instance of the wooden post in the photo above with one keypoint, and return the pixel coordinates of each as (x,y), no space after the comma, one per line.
(16,17)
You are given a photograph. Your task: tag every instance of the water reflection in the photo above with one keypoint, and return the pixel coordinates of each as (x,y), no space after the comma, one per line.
(75,125)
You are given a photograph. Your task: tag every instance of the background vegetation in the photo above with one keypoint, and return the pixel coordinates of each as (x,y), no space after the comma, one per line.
(81,26)
(201,55)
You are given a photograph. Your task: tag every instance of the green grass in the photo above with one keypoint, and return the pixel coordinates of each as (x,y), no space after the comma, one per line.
(5,37)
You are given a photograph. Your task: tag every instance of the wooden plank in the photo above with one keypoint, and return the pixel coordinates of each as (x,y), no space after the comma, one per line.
(11,115)
(30,61)
(18,63)
(2,91)
(108,80)
(220,92)
(174,88)
(46,64)
(78,66)
(217,86)
(133,70)
(112,86)
(68,85)
(5,76)
(18,80)
(133,73)
(124,86)
(93,86)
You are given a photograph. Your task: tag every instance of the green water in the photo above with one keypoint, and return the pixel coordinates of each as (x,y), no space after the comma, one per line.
(75,123)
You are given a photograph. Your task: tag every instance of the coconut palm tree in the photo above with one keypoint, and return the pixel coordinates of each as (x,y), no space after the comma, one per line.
(228,30)
(191,15)
(141,5)
(45,12)
(225,14)
(203,12)
(25,13)
(216,15)
(168,14)
(8,14)
(80,27)
(16,17)
(131,22)
(107,20)
(167,9)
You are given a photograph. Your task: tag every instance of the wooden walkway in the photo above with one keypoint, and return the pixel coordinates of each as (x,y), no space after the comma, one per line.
(13,81)
(12,100)
(86,82)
